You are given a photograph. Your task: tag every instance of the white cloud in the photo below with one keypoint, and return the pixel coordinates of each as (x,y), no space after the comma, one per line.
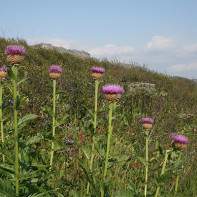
(108,51)
(67,44)
(190,48)
(184,67)
(160,43)
(111,50)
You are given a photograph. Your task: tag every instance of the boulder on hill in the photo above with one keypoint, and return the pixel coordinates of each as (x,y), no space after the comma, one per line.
(78,53)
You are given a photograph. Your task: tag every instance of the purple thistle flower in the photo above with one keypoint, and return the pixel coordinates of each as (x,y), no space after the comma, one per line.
(69,140)
(11,102)
(55,69)
(98,70)
(3,68)
(147,120)
(113,89)
(15,50)
(180,139)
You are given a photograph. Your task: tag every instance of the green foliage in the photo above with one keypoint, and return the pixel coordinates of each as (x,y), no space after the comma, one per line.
(6,188)
(173,106)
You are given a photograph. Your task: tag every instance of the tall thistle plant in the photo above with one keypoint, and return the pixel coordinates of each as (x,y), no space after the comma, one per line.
(97,74)
(147,126)
(179,142)
(112,94)
(15,55)
(3,74)
(54,73)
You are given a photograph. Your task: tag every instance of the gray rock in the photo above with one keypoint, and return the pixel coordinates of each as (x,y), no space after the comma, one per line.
(194,80)
(138,85)
(77,53)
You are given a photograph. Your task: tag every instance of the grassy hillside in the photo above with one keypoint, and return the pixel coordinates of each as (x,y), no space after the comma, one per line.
(37,62)
(173,105)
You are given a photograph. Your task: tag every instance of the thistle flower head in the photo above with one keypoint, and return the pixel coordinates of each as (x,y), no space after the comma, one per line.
(147,120)
(113,89)
(15,50)
(55,69)
(3,68)
(98,70)
(179,139)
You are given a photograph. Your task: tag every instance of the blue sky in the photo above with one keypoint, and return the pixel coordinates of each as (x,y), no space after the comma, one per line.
(161,34)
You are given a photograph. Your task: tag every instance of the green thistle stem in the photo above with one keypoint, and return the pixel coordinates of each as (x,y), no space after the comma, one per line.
(108,144)
(177,178)
(146,167)
(95,124)
(114,108)
(54,122)
(1,119)
(16,132)
(162,171)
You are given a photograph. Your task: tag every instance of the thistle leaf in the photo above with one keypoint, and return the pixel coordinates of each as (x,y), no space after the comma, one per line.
(26,118)
(21,81)
(6,188)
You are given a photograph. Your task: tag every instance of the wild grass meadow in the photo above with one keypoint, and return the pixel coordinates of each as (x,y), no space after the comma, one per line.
(65,137)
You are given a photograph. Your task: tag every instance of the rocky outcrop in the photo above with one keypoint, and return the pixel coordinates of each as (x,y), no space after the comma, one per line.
(138,85)
(78,53)
(194,80)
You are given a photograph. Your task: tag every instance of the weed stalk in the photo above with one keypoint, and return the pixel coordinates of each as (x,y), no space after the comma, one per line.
(54,122)
(1,120)
(108,145)
(95,124)
(146,167)
(177,178)
(15,71)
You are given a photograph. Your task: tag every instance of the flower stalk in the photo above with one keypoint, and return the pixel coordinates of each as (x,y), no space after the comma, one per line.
(54,122)
(177,178)
(14,69)
(108,139)
(3,74)
(147,125)
(95,124)
(114,107)
(108,144)
(1,119)
(146,167)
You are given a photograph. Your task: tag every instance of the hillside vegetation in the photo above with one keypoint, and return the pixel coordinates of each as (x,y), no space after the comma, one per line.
(173,106)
